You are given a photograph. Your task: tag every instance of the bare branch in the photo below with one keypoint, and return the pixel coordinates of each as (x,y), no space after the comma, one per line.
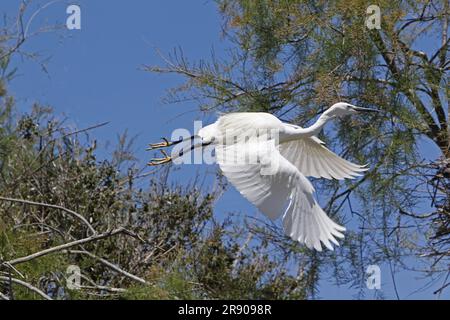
(73,213)
(110,265)
(20,33)
(3,296)
(26,285)
(104,288)
(67,245)
(84,130)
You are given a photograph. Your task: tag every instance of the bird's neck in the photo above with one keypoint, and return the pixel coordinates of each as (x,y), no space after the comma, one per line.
(314,129)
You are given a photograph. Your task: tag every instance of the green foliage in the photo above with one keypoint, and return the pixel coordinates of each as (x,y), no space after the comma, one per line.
(172,240)
(291,58)
(295,58)
(169,286)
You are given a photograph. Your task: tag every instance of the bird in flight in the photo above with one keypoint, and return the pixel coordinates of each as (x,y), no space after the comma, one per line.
(268,160)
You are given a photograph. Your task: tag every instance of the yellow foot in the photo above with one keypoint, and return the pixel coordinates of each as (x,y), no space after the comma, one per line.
(162,144)
(158,161)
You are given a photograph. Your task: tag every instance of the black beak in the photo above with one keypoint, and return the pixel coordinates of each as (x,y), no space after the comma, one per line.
(360,109)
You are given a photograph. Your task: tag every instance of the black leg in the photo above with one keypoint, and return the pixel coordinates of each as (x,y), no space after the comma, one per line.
(166,143)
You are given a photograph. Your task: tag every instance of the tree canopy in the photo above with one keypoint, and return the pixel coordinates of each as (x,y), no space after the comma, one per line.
(136,235)
(296,58)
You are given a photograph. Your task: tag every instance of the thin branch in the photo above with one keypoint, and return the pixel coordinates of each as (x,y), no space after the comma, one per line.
(425,216)
(110,265)
(20,33)
(26,285)
(23,33)
(104,288)
(434,131)
(73,213)
(83,130)
(68,245)
(3,296)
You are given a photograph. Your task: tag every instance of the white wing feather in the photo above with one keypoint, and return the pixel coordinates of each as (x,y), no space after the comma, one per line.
(308,154)
(286,190)
(315,160)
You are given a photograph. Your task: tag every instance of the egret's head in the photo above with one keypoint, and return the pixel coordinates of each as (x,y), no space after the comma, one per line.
(341,109)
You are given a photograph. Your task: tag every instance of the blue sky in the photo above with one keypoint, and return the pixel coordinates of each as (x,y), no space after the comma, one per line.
(94,75)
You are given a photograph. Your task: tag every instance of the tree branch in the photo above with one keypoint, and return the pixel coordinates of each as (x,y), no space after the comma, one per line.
(71,212)
(435,133)
(110,265)
(68,245)
(3,296)
(26,285)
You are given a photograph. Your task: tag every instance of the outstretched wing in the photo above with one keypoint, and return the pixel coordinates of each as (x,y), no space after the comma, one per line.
(313,159)
(269,181)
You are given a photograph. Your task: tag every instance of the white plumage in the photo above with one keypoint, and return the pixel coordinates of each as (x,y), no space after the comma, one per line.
(268,161)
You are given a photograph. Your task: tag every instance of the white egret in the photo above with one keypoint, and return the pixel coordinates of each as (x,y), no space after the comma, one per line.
(297,153)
